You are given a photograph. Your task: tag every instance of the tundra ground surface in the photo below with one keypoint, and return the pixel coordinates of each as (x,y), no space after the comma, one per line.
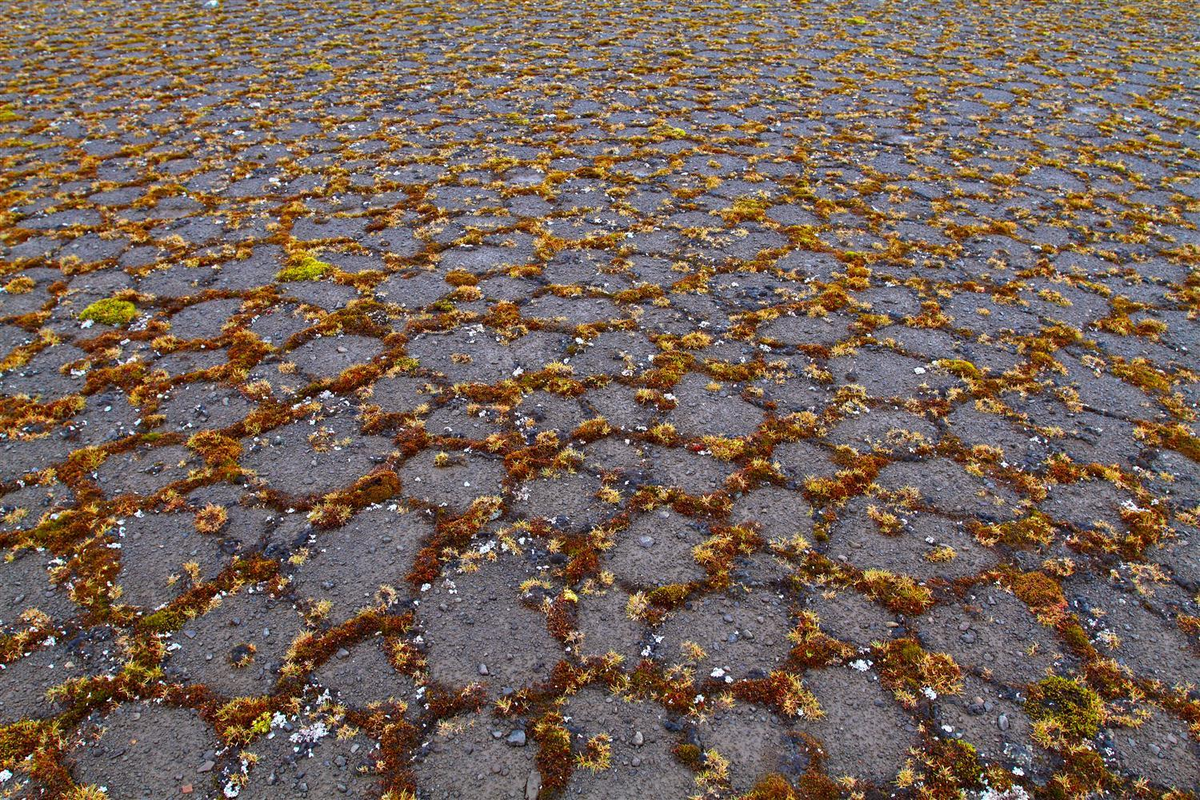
(515,400)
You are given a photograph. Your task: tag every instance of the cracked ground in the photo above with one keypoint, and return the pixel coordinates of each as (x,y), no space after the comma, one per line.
(514,400)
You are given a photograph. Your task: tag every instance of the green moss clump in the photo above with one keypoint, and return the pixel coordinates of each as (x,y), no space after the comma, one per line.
(306,268)
(262,724)
(671,595)
(1074,707)
(690,755)
(1038,590)
(164,620)
(110,311)
(668,131)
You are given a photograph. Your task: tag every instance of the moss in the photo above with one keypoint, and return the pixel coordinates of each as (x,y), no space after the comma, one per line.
(1072,706)
(826,170)
(1077,639)
(900,593)
(1177,437)
(304,268)
(164,620)
(261,724)
(669,596)
(238,720)
(780,691)
(214,447)
(951,767)
(19,739)
(110,311)
(1031,531)
(211,518)
(554,759)
(690,755)
(668,131)
(812,648)
(19,285)
(960,367)
(771,787)
(905,666)
(750,207)
(596,754)
(460,277)
(1038,590)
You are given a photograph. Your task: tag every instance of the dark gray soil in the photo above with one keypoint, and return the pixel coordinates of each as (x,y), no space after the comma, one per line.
(569,400)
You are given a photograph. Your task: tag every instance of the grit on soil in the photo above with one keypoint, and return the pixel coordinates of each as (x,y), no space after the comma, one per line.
(532,400)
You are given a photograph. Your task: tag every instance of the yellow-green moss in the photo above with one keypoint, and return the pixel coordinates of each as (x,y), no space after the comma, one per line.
(22,284)
(110,311)
(1073,706)
(306,268)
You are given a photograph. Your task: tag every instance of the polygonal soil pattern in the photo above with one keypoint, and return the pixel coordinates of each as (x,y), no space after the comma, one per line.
(428,400)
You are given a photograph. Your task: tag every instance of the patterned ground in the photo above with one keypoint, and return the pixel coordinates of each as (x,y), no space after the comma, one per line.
(514,400)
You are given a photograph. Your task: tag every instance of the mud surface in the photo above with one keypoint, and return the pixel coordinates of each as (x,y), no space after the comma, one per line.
(507,400)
